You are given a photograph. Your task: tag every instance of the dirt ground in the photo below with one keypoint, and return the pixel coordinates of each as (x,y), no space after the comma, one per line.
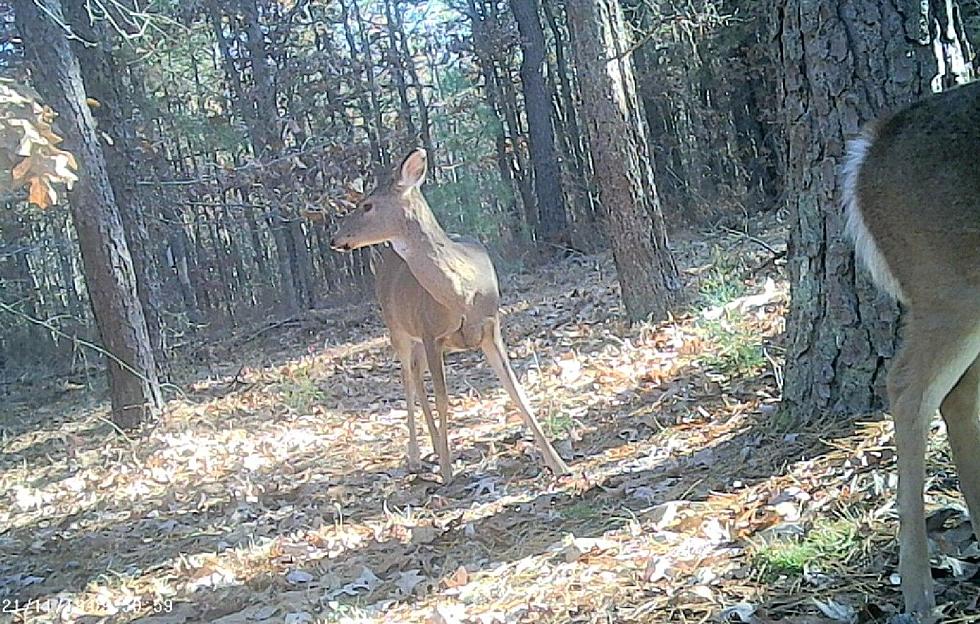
(274,487)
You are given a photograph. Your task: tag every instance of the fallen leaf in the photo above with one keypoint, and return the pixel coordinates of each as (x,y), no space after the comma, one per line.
(574,548)
(447,614)
(408,581)
(836,611)
(458,578)
(299,576)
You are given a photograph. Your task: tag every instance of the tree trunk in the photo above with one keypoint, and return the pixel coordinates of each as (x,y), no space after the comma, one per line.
(551,223)
(425,124)
(843,62)
(368,63)
(647,273)
(484,60)
(581,209)
(507,97)
(397,66)
(104,81)
(299,251)
(133,386)
(358,68)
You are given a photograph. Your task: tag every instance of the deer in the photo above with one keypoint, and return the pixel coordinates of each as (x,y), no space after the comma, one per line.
(911,196)
(438,293)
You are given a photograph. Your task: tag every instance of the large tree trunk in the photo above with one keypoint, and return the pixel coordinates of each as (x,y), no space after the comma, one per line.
(105,81)
(843,62)
(133,385)
(647,273)
(551,223)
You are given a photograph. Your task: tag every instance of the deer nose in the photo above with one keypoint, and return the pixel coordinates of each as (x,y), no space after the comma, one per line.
(336,246)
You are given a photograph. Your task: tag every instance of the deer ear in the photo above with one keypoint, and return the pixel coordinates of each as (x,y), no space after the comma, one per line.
(412,171)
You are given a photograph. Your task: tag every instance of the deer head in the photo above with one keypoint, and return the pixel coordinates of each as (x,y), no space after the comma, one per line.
(386,213)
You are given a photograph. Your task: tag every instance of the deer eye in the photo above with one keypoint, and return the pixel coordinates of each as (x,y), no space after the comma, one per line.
(368,206)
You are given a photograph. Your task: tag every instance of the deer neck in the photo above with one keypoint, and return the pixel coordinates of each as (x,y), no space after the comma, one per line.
(436,261)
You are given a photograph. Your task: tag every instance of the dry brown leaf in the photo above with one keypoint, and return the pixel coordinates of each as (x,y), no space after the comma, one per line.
(458,578)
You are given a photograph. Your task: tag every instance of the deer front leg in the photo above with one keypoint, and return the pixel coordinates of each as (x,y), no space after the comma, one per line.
(496,352)
(408,375)
(433,356)
(419,367)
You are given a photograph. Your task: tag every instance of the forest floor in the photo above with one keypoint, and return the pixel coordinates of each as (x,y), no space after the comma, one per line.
(275,488)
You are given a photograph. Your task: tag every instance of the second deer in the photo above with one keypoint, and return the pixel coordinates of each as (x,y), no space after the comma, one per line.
(912,197)
(437,293)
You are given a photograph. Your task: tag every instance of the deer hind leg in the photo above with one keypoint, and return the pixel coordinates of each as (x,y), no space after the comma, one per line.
(932,359)
(433,356)
(961,411)
(496,352)
(419,367)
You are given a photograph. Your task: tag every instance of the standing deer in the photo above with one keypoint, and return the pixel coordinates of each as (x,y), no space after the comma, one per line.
(437,293)
(912,197)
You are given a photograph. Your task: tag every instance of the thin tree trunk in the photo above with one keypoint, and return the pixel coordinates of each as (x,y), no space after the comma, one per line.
(482,44)
(359,67)
(420,104)
(551,223)
(396,63)
(577,168)
(368,64)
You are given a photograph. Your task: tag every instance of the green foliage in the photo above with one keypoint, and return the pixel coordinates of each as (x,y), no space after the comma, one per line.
(189,91)
(826,543)
(720,283)
(736,350)
(584,510)
(557,425)
(469,197)
(301,393)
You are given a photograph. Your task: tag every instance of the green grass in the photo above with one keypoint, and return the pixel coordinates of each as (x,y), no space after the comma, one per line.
(734,349)
(558,425)
(583,511)
(824,544)
(784,420)
(721,283)
(301,393)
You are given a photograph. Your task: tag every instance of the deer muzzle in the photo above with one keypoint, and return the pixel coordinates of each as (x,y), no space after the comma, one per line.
(339,244)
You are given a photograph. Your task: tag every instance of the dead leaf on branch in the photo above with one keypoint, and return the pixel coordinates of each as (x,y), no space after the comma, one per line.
(29,147)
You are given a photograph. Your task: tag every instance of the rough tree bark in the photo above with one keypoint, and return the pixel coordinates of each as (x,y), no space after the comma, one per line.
(133,387)
(842,62)
(105,81)
(551,224)
(646,269)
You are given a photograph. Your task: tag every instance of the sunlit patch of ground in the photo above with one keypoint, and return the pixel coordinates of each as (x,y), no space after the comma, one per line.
(276,491)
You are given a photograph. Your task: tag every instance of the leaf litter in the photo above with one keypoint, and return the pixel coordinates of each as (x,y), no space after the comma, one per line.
(276,489)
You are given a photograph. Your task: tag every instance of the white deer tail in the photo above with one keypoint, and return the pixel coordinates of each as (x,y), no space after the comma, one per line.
(865,247)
